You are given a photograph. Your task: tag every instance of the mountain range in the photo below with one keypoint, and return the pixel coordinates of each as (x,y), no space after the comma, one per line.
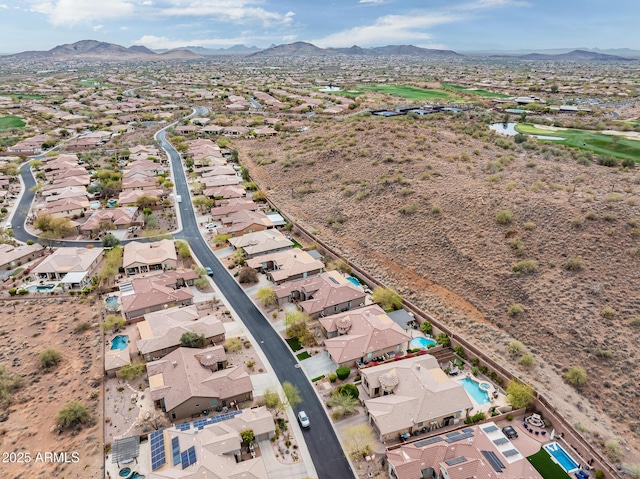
(103,51)
(309,49)
(575,56)
(95,50)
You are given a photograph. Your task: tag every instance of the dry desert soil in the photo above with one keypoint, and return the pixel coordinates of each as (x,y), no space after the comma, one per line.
(28,327)
(415,203)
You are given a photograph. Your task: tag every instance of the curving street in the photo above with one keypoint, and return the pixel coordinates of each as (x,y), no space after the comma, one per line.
(322,442)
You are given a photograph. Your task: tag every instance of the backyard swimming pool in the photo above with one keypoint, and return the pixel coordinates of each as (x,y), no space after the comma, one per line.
(120,342)
(561,456)
(474,390)
(352,280)
(112,303)
(421,343)
(40,289)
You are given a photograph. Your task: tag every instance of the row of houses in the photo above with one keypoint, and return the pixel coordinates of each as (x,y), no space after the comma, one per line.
(64,193)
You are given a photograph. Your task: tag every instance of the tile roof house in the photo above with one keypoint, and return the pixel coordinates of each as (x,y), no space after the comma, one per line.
(160,332)
(243,222)
(485,453)
(73,265)
(362,334)
(121,218)
(233,206)
(114,359)
(12,256)
(413,394)
(144,257)
(216,448)
(144,183)
(141,296)
(131,197)
(323,295)
(221,180)
(286,265)
(261,242)
(184,383)
(66,207)
(225,192)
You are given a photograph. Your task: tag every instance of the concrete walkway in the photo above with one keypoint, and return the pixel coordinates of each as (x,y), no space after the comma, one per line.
(277,470)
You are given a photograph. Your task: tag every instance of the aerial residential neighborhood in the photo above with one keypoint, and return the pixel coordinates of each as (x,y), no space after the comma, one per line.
(265,257)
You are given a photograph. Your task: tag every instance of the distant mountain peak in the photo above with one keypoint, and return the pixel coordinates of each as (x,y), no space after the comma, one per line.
(308,49)
(95,50)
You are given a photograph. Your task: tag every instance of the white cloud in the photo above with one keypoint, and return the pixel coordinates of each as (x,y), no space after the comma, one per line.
(409,28)
(69,12)
(96,28)
(4,6)
(237,11)
(388,29)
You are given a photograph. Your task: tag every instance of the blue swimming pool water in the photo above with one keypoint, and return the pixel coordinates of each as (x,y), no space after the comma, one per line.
(560,455)
(473,389)
(111,300)
(120,342)
(351,279)
(33,288)
(422,343)
(94,205)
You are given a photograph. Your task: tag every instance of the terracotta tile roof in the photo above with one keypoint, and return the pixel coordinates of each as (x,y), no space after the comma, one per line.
(156,252)
(180,376)
(327,289)
(423,393)
(370,330)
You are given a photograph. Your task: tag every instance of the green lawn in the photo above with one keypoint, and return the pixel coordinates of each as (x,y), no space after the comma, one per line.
(294,344)
(10,122)
(26,96)
(409,92)
(597,143)
(546,467)
(303,355)
(474,91)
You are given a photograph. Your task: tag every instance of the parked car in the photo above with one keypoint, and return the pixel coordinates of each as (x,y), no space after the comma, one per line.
(211,226)
(304,419)
(510,432)
(8,226)
(209,271)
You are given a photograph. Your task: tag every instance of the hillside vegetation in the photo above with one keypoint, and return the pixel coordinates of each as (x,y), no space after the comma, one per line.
(500,239)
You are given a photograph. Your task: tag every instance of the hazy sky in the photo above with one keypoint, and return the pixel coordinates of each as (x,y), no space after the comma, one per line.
(462,25)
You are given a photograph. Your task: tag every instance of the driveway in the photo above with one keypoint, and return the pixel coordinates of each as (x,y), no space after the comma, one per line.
(317,365)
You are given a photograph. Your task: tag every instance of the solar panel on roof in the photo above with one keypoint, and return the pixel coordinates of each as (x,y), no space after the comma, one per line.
(510,452)
(175,450)
(158,458)
(451,434)
(191,453)
(496,463)
(491,428)
(455,460)
(467,429)
(426,442)
(500,440)
(459,437)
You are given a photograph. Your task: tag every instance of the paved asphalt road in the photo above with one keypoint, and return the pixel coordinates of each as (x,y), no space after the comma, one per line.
(327,455)
(321,440)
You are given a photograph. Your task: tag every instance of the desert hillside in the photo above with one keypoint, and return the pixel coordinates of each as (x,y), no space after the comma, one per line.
(416,203)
